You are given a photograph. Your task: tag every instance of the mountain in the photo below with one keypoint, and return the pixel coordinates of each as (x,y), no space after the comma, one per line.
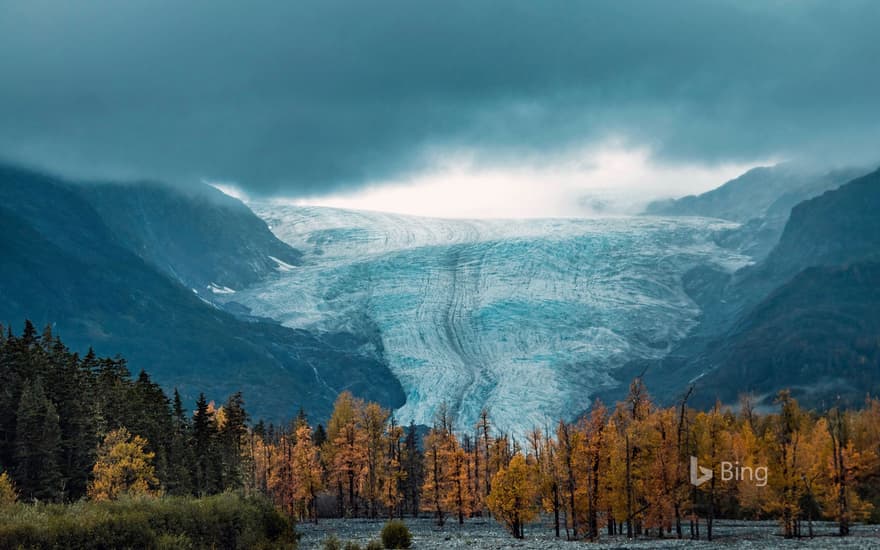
(835,228)
(62,265)
(760,200)
(201,237)
(817,334)
(810,312)
(531,318)
(765,191)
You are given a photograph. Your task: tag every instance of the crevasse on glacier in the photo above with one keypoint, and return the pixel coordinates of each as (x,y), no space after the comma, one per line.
(525,317)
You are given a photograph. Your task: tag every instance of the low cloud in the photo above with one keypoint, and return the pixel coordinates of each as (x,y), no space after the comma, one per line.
(326,97)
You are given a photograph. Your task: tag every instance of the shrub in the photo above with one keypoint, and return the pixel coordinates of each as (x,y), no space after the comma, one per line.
(352,545)
(374,545)
(332,543)
(222,521)
(396,534)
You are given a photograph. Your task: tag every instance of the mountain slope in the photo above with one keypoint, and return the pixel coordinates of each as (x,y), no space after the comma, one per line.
(761,192)
(810,312)
(818,334)
(60,264)
(206,240)
(761,199)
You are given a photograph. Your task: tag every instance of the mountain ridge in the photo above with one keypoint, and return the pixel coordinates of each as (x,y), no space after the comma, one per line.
(63,266)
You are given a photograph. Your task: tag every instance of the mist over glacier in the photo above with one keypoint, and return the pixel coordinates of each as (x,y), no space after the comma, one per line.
(526,317)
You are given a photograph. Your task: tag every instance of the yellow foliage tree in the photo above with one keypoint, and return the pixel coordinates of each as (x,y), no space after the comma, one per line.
(392,474)
(123,467)
(8,494)
(514,494)
(307,473)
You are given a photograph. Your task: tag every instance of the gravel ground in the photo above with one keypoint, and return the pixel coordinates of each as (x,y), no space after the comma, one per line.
(486,534)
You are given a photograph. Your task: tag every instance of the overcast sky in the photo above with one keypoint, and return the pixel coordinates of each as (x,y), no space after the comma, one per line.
(332,101)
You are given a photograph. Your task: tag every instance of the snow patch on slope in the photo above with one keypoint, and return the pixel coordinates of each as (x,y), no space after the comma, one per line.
(280,265)
(220,289)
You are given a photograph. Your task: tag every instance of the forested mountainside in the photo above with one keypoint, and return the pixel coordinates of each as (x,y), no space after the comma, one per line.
(63,266)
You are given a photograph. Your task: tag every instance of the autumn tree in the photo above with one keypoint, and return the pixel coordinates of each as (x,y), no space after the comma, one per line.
(307,473)
(447,486)
(373,419)
(513,497)
(711,434)
(482,450)
(8,494)
(457,496)
(783,444)
(124,466)
(393,475)
(345,452)
(440,445)
(590,451)
(568,442)
(543,448)
(836,465)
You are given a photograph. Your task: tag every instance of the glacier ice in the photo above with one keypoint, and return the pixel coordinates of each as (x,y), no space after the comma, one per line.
(525,317)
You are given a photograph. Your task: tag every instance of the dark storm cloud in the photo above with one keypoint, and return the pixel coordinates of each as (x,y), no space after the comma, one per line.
(308,97)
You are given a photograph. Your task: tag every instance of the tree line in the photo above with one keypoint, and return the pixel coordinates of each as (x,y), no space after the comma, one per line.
(74,427)
(69,423)
(621,470)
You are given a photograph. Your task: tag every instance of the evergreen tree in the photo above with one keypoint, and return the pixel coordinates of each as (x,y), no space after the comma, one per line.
(319,436)
(206,471)
(412,461)
(37,446)
(231,439)
(179,471)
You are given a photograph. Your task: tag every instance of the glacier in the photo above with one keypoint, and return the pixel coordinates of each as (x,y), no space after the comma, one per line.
(528,318)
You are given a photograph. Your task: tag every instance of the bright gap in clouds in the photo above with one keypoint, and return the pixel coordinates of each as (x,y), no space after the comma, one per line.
(611,181)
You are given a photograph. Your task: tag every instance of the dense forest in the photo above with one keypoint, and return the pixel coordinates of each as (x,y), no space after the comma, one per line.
(82,429)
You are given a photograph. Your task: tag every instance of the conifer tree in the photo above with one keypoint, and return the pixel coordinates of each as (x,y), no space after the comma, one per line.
(345,452)
(179,472)
(393,475)
(37,446)
(206,475)
(412,463)
(307,473)
(373,419)
(784,451)
(232,442)
(124,466)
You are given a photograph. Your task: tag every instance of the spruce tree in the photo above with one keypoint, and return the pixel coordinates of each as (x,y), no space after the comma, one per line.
(232,441)
(205,471)
(319,436)
(37,446)
(179,476)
